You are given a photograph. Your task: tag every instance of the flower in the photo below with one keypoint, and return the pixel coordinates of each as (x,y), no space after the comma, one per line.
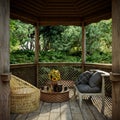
(54,75)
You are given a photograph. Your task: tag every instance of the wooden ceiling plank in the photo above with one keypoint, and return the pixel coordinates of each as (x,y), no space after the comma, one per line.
(62,21)
(60,18)
(37,3)
(56,14)
(60,7)
(27,5)
(26,9)
(18,12)
(59,1)
(88,9)
(23,19)
(97,19)
(76,13)
(99,7)
(93,17)
(62,11)
(88,5)
(57,10)
(99,13)
(78,2)
(83,3)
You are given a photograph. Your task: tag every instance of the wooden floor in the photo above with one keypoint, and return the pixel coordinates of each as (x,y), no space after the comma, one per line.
(69,110)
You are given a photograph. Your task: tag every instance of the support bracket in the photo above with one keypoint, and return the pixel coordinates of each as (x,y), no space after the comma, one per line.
(5,77)
(115,77)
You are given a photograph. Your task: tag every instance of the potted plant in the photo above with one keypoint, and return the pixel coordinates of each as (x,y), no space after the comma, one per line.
(54,76)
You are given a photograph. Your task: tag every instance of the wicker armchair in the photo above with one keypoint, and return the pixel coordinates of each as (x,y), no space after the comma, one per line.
(24,96)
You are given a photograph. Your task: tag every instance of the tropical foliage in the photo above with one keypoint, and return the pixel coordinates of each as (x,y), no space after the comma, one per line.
(99,40)
(60,43)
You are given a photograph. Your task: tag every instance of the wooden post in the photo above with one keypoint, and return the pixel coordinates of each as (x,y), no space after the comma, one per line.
(4,60)
(115,75)
(37,50)
(83,47)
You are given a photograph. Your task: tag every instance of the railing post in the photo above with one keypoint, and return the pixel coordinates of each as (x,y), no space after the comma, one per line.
(37,50)
(83,47)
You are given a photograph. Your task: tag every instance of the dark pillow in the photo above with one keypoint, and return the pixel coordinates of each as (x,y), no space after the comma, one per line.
(87,89)
(95,80)
(83,78)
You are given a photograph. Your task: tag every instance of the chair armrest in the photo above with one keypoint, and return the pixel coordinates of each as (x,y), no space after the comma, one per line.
(103,73)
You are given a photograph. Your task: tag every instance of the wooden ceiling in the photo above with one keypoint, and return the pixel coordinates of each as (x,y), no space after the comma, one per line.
(60,12)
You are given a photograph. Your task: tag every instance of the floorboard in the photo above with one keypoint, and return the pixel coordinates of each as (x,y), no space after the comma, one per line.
(86,112)
(69,110)
(94,111)
(75,111)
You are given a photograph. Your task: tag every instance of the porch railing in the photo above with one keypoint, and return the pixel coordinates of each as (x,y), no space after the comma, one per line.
(69,71)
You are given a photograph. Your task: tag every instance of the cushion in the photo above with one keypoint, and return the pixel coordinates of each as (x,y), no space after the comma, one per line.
(95,80)
(87,89)
(83,78)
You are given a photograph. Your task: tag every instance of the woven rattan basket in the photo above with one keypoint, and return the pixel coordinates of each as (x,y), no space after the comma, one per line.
(54,97)
(24,96)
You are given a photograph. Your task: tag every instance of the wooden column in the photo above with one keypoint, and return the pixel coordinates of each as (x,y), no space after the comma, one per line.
(4,60)
(115,75)
(37,50)
(83,47)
